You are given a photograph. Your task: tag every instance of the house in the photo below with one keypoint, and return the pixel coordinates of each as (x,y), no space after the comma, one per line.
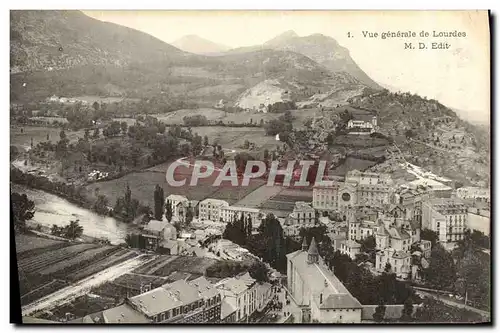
(175,201)
(156,232)
(447,217)
(362,123)
(241,291)
(180,302)
(233,213)
(400,262)
(303,214)
(210,209)
(317,291)
(474,193)
(228,310)
(350,247)
(121,314)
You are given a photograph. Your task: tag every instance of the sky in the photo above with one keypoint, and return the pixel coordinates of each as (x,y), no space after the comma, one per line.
(458,77)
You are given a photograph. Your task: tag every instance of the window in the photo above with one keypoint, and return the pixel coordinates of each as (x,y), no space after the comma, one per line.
(162,316)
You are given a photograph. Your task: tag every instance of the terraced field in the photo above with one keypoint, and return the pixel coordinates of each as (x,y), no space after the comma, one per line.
(37,263)
(26,243)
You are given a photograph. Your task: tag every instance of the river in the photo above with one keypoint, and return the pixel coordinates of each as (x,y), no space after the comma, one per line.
(51,209)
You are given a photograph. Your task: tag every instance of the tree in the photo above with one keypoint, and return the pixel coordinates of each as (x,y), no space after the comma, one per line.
(205,141)
(168,213)
(249,227)
(73,230)
(259,272)
(86,136)
(159,201)
(95,135)
(96,105)
(407,312)
(55,230)
(23,210)
(62,135)
(379,314)
(441,272)
(429,235)
(266,154)
(189,215)
(101,204)
(387,268)
(123,126)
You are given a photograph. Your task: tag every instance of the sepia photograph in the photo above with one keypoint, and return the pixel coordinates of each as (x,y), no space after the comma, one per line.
(250,167)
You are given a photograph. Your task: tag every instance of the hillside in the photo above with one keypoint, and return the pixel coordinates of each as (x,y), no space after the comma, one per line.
(324,50)
(431,136)
(51,40)
(69,54)
(196,44)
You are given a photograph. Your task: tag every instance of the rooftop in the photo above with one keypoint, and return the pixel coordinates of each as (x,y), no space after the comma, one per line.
(176,197)
(216,202)
(124,314)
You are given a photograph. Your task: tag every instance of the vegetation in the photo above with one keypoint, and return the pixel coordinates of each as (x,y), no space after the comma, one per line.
(22,210)
(159,201)
(71,231)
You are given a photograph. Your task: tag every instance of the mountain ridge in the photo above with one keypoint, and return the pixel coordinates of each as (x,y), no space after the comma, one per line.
(199,45)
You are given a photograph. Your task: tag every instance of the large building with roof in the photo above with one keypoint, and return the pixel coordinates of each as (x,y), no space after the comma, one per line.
(196,301)
(447,217)
(157,232)
(210,209)
(358,189)
(317,291)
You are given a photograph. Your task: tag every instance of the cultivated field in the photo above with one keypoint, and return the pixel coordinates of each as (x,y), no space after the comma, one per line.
(350,164)
(142,185)
(39,134)
(26,243)
(185,264)
(47,266)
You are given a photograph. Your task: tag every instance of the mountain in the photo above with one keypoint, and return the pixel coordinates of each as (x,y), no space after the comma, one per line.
(196,44)
(69,54)
(430,135)
(325,50)
(49,40)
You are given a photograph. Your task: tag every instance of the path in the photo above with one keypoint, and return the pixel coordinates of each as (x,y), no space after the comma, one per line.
(84,286)
(453,303)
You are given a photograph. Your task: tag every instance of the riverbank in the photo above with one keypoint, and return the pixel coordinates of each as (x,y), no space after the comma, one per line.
(51,209)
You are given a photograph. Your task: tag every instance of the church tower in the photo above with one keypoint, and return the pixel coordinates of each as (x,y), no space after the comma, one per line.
(304,244)
(312,253)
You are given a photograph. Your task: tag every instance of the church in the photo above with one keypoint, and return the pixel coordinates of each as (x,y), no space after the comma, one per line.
(317,291)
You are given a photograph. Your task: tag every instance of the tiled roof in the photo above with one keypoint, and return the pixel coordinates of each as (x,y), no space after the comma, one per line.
(156,301)
(155,226)
(124,314)
(340,301)
(400,255)
(204,287)
(228,306)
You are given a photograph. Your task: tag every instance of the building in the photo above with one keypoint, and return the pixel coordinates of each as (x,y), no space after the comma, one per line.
(303,214)
(233,213)
(317,291)
(350,248)
(479,219)
(400,262)
(174,200)
(246,294)
(196,301)
(474,193)
(362,124)
(358,189)
(228,310)
(210,209)
(447,217)
(156,232)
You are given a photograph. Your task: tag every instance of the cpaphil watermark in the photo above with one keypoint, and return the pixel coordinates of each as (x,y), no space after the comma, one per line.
(297,173)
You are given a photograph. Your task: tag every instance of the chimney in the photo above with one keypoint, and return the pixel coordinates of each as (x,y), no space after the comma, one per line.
(321,298)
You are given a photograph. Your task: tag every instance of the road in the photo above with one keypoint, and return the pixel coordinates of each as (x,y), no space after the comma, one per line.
(453,303)
(84,286)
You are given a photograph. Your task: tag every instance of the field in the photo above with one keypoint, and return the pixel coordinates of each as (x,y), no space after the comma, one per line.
(39,134)
(350,164)
(49,267)
(142,185)
(185,264)
(26,243)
